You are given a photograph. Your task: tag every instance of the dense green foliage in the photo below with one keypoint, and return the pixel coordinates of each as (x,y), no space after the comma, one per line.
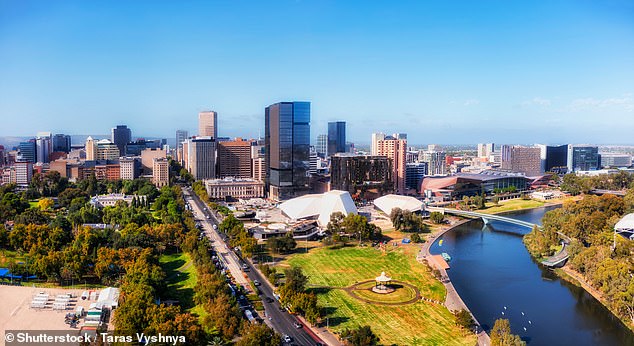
(294,296)
(437,217)
(351,227)
(406,221)
(603,258)
(575,184)
(464,319)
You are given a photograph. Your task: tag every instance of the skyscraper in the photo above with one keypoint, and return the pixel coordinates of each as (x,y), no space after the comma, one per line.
(583,158)
(44,145)
(395,149)
(201,157)
(27,151)
(121,136)
(485,149)
(526,160)
(287,140)
(234,158)
(208,124)
(556,159)
(181,136)
(61,143)
(336,137)
(376,137)
(322,145)
(91,149)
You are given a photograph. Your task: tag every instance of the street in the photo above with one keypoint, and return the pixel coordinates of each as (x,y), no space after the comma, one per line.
(280,320)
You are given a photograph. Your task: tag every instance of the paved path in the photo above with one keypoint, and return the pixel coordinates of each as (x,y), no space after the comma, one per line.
(350,290)
(453,302)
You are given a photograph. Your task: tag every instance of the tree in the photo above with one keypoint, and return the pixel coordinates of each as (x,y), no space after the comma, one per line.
(362,336)
(45,203)
(501,334)
(463,318)
(437,217)
(295,279)
(416,238)
(258,335)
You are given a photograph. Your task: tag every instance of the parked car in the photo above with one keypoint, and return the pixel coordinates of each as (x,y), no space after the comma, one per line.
(297,325)
(256,282)
(287,338)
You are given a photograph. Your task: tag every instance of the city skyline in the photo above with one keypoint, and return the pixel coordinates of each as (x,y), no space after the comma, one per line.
(518,73)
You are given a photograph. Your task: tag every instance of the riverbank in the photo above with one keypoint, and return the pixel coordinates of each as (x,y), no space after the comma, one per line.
(453,301)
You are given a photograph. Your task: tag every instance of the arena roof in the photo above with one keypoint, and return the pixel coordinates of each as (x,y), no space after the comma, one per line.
(319,205)
(625,224)
(389,202)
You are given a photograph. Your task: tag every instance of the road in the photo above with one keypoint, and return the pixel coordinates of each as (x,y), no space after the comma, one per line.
(280,320)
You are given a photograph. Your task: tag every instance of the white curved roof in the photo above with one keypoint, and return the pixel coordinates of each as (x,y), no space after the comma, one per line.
(320,205)
(389,202)
(626,223)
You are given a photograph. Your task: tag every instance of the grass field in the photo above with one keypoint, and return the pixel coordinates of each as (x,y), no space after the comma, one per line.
(181,279)
(420,323)
(510,205)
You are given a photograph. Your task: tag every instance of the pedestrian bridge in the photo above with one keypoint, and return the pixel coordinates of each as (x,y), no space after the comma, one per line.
(555,260)
(485,217)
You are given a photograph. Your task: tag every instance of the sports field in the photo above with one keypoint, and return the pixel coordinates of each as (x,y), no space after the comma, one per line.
(420,323)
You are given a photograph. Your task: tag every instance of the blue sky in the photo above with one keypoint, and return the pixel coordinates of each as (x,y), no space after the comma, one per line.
(443,71)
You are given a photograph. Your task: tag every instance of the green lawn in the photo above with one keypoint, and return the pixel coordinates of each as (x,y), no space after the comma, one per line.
(181,279)
(511,205)
(420,323)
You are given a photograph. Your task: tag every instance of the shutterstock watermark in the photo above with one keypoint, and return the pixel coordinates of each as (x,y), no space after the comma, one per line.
(76,337)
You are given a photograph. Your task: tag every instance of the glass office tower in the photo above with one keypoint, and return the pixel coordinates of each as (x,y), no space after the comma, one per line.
(287,142)
(336,137)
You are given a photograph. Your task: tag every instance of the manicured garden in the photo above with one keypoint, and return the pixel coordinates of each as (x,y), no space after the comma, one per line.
(420,323)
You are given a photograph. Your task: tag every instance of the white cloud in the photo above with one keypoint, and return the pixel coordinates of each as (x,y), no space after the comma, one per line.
(471,102)
(536,101)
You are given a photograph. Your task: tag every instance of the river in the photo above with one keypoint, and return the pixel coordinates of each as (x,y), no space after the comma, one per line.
(497,278)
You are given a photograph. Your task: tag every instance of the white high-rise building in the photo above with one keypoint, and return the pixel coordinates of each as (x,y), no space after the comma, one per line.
(376,137)
(485,149)
(43,146)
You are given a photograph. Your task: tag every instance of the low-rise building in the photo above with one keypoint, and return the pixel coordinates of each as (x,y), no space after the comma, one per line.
(109,200)
(235,188)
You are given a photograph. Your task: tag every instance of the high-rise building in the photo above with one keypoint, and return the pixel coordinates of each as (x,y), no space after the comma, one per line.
(583,158)
(395,149)
(363,175)
(28,151)
(208,124)
(234,158)
(336,137)
(556,159)
(91,149)
(160,172)
(399,135)
(181,136)
(485,149)
(414,174)
(314,160)
(61,143)
(121,136)
(106,150)
(201,157)
(376,137)
(520,159)
(436,161)
(44,146)
(322,145)
(609,160)
(287,140)
(128,168)
(148,156)
(23,173)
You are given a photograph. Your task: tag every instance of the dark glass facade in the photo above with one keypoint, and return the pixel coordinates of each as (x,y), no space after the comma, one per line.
(121,136)
(414,174)
(556,159)
(27,150)
(61,142)
(365,177)
(583,158)
(287,142)
(336,137)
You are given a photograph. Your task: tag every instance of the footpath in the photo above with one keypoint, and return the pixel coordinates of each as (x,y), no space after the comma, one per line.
(453,302)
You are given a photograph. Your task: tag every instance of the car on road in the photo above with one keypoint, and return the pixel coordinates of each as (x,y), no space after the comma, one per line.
(287,338)
(268,299)
(297,325)
(245,267)
(256,282)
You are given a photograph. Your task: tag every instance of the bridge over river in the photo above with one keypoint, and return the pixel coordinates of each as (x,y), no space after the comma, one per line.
(555,260)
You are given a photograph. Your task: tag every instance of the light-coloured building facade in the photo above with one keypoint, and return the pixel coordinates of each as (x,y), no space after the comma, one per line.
(395,149)
(148,156)
(106,150)
(23,173)
(91,149)
(208,124)
(376,137)
(521,159)
(127,168)
(110,200)
(160,172)
(201,157)
(236,188)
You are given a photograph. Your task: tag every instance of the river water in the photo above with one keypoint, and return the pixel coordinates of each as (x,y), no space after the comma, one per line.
(497,278)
